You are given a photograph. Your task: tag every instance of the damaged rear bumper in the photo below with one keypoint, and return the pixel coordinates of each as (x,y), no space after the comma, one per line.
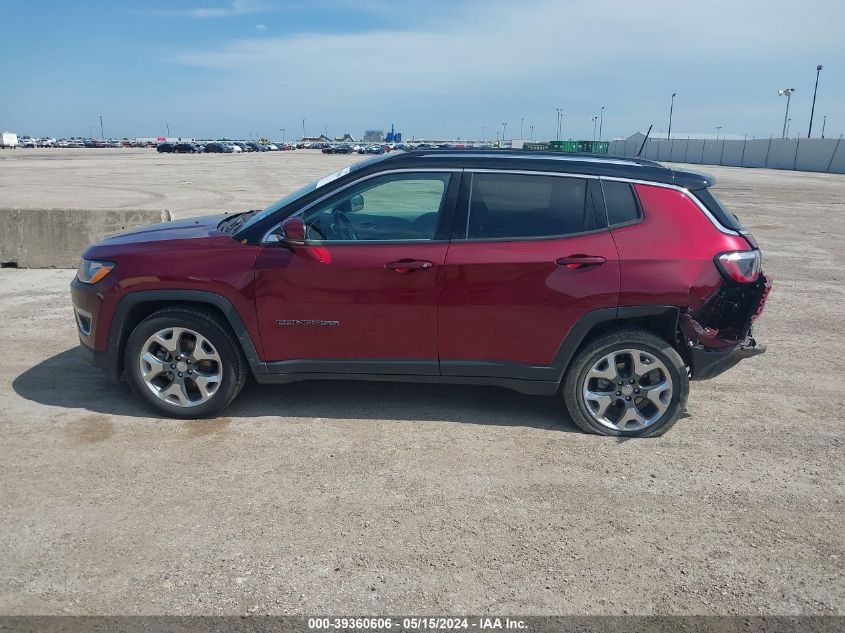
(718,334)
(709,363)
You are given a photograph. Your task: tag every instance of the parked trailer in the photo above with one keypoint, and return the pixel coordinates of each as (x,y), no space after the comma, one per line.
(8,139)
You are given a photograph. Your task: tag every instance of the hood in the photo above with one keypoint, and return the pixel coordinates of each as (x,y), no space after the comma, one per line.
(191,228)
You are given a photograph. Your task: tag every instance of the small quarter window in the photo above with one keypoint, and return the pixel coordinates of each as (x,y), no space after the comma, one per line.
(622,205)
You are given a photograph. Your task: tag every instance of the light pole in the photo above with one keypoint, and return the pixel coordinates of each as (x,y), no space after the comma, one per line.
(601,121)
(102,136)
(813,109)
(504,130)
(786,133)
(824,122)
(303,127)
(532,130)
(282,130)
(559,113)
(786,92)
(671,109)
(90,131)
(521,121)
(168,129)
(594,120)
(497,140)
(718,129)
(483,127)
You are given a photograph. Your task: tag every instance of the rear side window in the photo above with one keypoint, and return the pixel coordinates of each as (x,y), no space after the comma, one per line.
(512,206)
(622,204)
(718,210)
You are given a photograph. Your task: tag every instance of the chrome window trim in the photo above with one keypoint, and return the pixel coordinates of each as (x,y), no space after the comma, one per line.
(530,172)
(387,172)
(520,172)
(684,191)
(527,172)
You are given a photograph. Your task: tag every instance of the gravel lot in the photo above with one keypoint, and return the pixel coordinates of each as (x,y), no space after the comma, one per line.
(395,498)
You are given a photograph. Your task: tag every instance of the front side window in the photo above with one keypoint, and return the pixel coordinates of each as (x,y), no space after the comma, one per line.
(394,207)
(513,206)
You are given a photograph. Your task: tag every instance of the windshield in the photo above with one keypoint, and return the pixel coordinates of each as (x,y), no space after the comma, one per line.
(311,186)
(291,197)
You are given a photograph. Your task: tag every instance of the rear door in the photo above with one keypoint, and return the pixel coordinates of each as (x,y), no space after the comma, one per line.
(531,255)
(361,295)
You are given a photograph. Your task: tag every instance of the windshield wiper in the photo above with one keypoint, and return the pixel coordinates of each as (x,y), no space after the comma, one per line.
(233,223)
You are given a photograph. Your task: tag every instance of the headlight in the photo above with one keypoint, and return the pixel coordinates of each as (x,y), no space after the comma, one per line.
(90,272)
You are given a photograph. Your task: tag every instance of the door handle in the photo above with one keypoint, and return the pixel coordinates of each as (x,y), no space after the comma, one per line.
(580,261)
(408,265)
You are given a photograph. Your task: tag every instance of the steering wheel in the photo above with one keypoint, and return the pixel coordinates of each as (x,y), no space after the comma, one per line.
(312,232)
(343,226)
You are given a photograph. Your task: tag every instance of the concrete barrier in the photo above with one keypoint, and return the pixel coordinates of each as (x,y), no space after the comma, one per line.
(56,238)
(817,155)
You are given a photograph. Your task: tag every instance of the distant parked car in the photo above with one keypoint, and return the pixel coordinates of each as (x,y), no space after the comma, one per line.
(116,144)
(218,148)
(375,149)
(28,142)
(236,149)
(256,147)
(166,148)
(186,148)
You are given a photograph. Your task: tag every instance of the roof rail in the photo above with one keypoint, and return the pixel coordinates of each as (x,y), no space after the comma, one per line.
(537,155)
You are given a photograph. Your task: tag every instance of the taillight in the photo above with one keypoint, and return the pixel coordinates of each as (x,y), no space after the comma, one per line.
(740,266)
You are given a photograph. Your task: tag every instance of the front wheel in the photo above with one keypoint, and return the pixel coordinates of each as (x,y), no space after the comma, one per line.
(184,363)
(626,383)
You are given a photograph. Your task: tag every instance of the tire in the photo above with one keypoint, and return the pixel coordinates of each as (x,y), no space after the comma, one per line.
(211,370)
(647,403)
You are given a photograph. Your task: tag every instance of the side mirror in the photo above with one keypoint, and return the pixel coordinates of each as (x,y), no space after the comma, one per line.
(294,230)
(356,202)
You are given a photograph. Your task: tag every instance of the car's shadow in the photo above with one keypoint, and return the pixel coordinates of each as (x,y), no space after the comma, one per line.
(67,380)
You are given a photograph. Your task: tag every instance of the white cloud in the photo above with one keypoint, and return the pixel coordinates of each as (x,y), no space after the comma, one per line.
(450,69)
(234,8)
(260,27)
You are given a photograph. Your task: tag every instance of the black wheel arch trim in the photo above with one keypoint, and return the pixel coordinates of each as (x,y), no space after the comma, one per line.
(118,333)
(579,332)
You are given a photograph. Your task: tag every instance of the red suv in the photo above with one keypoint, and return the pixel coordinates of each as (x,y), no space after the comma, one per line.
(607,281)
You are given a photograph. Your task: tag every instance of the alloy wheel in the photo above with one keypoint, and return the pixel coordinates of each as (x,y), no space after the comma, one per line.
(180,367)
(627,390)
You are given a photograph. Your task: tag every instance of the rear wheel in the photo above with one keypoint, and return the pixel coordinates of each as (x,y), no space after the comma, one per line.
(184,363)
(626,383)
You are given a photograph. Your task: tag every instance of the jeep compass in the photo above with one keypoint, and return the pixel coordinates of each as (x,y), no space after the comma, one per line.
(606,282)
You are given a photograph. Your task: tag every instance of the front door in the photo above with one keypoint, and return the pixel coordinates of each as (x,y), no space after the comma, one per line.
(361,295)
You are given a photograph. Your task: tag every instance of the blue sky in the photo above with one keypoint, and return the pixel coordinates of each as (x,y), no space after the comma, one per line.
(434,68)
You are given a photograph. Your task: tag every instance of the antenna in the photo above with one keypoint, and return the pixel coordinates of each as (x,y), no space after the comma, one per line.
(647,134)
